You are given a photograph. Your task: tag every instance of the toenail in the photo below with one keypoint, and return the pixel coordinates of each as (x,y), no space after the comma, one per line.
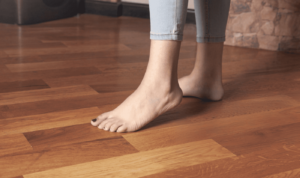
(94,120)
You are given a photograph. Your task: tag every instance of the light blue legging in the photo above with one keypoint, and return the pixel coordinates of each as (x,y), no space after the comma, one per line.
(168,18)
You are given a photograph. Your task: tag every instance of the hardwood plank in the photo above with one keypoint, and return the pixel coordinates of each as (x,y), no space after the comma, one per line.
(286,174)
(3,54)
(95,80)
(45,94)
(24,85)
(79,49)
(24,67)
(4,69)
(64,156)
(63,104)
(277,158)
(193,110)
(251,141)
(44,139)
(44,74)
(13,144)
(143,163)
(210,129)
(29,44)
(48,121)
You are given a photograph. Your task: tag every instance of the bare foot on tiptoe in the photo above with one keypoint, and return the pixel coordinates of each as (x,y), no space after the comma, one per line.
(207,89)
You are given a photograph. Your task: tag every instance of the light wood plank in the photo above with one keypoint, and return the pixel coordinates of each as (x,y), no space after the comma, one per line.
(278,157)
(45,94)
(143,163)
(62,156)
(208,129)
(287,174)
(13,144)
(48,120)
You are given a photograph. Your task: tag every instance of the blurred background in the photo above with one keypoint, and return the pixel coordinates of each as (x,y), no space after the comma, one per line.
(264,24)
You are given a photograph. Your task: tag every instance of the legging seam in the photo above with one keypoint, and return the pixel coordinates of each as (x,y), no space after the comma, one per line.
(166,34)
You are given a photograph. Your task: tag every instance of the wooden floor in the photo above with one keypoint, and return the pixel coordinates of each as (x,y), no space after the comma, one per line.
(57,76)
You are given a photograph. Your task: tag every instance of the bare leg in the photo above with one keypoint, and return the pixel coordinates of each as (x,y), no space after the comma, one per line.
(205,81)
(158,92)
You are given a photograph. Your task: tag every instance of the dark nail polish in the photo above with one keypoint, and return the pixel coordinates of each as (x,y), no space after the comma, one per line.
(94,120)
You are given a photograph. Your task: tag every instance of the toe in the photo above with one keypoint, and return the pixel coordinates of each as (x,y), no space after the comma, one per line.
(102,124)
(122,129)
(114,127)
(108,125)
(99,119)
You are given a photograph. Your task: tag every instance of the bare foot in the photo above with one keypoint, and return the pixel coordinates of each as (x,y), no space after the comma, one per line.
(158,92)
(205,81)
(141,107)
(207,89)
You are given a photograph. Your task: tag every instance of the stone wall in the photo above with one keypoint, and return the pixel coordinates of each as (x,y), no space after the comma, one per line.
(265,24)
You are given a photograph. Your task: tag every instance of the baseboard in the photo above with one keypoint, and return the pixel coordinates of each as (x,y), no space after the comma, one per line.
(103,8)
(125,9)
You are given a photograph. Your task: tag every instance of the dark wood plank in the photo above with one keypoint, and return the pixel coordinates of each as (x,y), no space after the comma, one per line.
(248,142)
(45,94)
(58,50)
(24,85)
(13,144)
(63,104)
(45,139)
(64,156)
(193,110)
(44,74)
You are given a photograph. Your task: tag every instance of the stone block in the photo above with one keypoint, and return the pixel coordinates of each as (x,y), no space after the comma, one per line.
(289,44)
(245,23)
(268,13)
(286,25)
(267,28)
(240,6)
(268,42)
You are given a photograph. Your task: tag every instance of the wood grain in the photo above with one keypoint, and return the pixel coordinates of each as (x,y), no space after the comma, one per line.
(210,129)
(48,121)
(43,139)
(45,94)
(14,144)
(143,163)
(64,156)
(44,74)
(277,158)
(92,63)
(24,85)
(286,174)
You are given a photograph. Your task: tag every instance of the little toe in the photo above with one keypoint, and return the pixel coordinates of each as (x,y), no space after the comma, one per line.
(114,127)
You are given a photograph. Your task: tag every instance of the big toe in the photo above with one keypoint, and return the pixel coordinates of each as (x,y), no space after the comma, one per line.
(98,120)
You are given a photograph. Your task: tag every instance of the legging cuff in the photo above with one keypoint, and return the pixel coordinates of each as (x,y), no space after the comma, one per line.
(210,39)
(166,37)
